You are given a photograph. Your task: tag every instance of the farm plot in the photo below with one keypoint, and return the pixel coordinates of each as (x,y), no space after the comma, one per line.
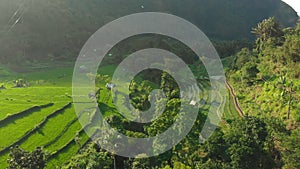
(230,111)
(24,112)
(51,130)
(13,129)
(8,108)
(35,95)
(65,152)
(41,115)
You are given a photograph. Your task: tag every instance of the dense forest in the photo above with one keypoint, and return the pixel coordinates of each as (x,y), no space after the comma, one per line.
(41,30)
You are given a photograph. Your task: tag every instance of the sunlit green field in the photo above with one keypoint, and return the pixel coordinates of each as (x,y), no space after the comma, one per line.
(39,115)
(43,114)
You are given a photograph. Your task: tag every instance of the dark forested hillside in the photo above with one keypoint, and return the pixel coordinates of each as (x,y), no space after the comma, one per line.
(56,30)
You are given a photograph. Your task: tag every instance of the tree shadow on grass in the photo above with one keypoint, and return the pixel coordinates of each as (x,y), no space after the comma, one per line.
(107,110)
(13,118)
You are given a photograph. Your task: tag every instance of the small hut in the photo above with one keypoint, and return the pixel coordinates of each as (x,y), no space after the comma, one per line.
(110,86)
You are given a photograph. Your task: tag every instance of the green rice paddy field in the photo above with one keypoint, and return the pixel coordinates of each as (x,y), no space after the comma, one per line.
(40,115)
(43,115)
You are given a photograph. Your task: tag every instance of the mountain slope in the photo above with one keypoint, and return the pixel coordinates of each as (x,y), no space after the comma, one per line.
(42,29)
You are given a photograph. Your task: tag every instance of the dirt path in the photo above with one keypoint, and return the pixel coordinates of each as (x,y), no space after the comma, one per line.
(235,100)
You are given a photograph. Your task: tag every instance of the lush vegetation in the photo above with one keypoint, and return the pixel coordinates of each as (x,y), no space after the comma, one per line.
(39,128)
(266,78)
(266,81)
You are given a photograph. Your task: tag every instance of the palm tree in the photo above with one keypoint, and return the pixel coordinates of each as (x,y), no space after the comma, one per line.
(267,29)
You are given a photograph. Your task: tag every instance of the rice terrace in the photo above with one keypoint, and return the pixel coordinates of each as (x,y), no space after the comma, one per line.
(40,113)
(143,84)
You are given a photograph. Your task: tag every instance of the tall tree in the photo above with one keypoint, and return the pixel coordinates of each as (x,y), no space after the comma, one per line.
(241,145)
(91,157)
(269,30)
